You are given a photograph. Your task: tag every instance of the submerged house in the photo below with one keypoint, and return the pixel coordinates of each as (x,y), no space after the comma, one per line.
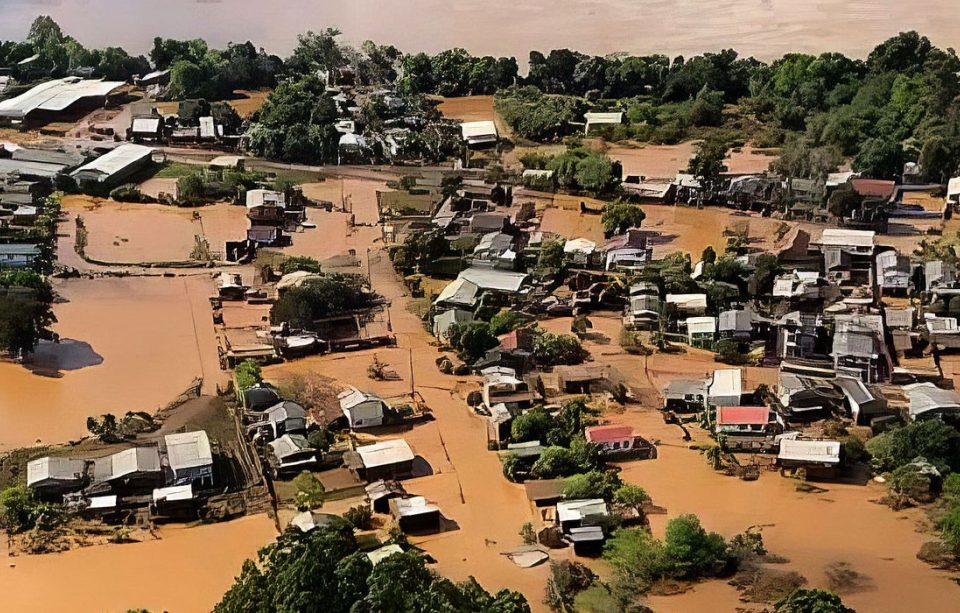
(292,452)
(619,441)
(580,513)
(415,514)
(817,458)
(725,387)
(189,457)
(390,459)
(685,396)
(138,467)
(362,409)
(51,477)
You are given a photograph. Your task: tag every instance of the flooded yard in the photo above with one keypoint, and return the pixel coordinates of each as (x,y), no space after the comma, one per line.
(129,233)
(667,160)
(187,570)
(127,344)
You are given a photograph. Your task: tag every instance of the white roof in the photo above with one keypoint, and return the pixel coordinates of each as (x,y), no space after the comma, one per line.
(260,197)
(102,502)
(838,178)
(137,459)
(689,301)
(378,555)
(115,161)
(188,450)
(602,118)
(568,510)
(459,291)
(208,129)
(488,278)
(953,187)
(736,320)
(928,397)
(353,397)
(384,453)
(838,237)
(701,325)
(478,131)
(809,451)
(414,505)
(580,245)
(54,468)
(176,492)
(725,382)
(148,125)
(56,95)
(296,279)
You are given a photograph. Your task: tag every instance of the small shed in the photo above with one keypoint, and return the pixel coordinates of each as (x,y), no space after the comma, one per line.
(189,457)
(415,514)
(544,492)
(308,520)
(293,452)
(390,459)
(725,387)
(479,133)
(378,555)
(587,540)
(362,409)
(701,331)
(380,492)
(578,513)
(818,458)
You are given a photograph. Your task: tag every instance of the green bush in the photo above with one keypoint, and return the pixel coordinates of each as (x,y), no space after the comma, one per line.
(248,374)
(593,484)
(21,511)
(811,601)
(551,349)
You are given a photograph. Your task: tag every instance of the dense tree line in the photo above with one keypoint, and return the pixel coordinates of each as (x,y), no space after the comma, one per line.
(25,312)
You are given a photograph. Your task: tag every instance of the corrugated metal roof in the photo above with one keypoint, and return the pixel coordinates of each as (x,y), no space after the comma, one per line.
(735,416)
(384,453)
(115,161)
(56,95)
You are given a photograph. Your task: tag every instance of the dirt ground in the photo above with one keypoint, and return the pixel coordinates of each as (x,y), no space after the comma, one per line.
(248,102)
(125,232)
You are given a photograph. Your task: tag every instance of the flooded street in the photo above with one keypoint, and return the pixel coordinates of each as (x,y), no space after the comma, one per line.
(127,344)
(186,571)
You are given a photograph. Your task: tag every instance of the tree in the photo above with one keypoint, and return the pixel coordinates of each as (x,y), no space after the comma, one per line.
(316,299)
(708,164)
(618,217)
(26,315)
(248,374)
(574,415)
(593,484)
(631,496)
(531,426)
(472,340)
(950,528)
(506,321)
(296,263)
(811,601)
(932,439)
(691,552)
(880,158)
(551,255)
(20,510)
(566,580)
(551,349)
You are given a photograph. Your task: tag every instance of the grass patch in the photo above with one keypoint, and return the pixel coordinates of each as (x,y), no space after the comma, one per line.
(176,170)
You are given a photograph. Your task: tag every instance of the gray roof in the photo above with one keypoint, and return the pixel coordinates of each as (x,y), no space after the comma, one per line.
(737,321)
(925,397)
(115,161)
(490,279)
(859,342)
(127,462)
(57,95)
(290,444)
(20,249)
(286,410)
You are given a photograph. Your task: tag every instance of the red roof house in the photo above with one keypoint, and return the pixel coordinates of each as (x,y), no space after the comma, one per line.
(742,416)
(608,434)
(873,188)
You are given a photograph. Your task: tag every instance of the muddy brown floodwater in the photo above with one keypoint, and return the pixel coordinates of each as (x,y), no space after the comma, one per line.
(127,344)
(120,232)
(186,571)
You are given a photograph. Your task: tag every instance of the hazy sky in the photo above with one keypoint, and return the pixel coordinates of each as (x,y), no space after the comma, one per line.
(765,28)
